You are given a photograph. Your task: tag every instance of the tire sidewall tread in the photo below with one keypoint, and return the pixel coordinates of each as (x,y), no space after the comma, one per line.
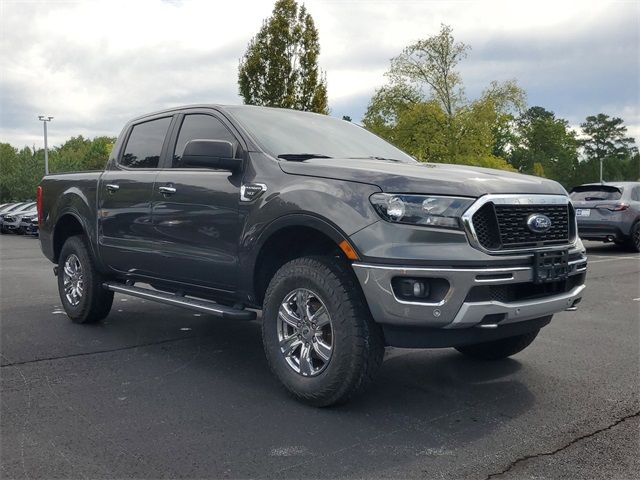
(358,346)
(96,302)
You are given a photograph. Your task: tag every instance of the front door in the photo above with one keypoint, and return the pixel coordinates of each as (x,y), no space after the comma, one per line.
(195,212)
(125,230)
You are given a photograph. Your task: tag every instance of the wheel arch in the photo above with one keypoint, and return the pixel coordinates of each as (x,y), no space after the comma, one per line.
(68,224)
(291,237)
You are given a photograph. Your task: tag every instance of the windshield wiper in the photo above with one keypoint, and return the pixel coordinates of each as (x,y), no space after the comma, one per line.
(300,157)
(373,157)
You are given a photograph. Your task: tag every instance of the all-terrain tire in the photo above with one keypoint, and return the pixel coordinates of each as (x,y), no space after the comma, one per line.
(95,302)
(499,349)
(358,343)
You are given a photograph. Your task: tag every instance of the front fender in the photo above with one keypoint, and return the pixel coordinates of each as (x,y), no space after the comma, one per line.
(334,207)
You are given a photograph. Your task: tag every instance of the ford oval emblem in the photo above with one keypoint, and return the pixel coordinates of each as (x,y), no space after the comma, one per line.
(538,223)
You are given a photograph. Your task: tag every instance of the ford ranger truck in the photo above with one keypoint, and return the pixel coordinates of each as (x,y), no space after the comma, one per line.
(344,243)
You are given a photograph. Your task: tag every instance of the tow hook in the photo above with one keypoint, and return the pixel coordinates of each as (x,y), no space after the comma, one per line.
(55,271)
(574,305)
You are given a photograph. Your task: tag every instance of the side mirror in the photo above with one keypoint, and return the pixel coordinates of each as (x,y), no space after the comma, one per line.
(217,154)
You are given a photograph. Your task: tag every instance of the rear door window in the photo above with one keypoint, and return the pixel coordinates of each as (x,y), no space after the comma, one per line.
(597,192)
(145,144)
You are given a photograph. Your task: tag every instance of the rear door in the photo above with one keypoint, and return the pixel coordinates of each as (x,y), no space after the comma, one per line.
(125,232)
(195,210)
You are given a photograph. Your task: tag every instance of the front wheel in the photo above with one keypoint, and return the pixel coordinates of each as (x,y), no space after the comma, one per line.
(80,283)
(499,349)
(318,335)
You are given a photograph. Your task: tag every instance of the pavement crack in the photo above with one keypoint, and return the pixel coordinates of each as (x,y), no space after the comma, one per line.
(563,447)
(96,352)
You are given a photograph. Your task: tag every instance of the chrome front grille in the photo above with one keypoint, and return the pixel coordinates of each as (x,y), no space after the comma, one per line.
(499,223)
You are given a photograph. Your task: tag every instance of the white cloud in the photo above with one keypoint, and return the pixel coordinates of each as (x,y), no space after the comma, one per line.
(93,65)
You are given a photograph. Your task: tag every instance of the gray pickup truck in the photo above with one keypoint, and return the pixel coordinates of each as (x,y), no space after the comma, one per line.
(345,243)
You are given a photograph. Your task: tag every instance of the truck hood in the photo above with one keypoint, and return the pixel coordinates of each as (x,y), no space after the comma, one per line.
(431,178)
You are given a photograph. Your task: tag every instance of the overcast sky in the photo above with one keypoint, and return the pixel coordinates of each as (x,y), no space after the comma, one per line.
(94,65)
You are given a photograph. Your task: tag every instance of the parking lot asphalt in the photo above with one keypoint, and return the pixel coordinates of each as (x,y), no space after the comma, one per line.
(159,392)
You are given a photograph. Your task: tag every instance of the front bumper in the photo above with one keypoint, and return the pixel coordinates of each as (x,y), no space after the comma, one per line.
(457,309)
(10,227)
(29,228)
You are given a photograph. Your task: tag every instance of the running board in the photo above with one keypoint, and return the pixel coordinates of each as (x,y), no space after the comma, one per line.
(203,306)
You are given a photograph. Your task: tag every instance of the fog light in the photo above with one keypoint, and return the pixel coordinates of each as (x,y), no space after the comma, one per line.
(413,288)
(422,290)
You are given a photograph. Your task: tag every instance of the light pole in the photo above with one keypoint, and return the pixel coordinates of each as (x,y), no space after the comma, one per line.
(44,119)
(601,171)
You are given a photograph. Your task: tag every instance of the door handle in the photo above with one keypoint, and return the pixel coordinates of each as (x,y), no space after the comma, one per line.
(167,190)
(112,187)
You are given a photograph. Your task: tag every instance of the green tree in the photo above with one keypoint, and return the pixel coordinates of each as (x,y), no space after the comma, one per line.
(431,63)
(606,147)
(8,167)
(545,145)
(22,170)
(423,109)
(280,66)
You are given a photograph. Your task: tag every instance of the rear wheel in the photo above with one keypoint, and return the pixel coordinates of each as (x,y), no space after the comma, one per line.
(318,335)
(499,349)
(80,283)
(634,238)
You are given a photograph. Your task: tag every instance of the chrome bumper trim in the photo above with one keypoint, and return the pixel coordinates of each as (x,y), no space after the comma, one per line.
(472,313)
(386,308)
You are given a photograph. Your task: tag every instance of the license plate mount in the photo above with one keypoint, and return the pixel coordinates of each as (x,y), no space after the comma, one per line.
(552,266)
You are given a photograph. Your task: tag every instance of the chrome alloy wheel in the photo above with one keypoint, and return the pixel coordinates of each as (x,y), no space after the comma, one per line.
(73,280)
(305,332)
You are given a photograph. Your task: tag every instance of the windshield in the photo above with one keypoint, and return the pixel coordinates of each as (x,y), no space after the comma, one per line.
(295,135)
(596,192)
(11,208)
(26,206)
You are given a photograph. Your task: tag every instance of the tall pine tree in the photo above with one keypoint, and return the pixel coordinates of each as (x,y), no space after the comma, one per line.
(607,146)
(280,66)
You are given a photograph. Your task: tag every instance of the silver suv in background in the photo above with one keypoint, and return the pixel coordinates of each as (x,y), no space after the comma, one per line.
(7,214)
(29,223)
(609,212)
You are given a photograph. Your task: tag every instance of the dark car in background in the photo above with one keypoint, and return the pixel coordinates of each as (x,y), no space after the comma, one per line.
(609,212)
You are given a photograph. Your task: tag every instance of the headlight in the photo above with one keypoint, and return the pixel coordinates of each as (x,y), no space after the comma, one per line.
(425,210)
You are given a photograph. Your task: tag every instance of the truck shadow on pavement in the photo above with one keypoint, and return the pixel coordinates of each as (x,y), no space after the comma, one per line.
(152,393)
(422,401)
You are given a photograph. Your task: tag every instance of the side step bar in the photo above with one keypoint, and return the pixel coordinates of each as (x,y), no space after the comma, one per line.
(203,306)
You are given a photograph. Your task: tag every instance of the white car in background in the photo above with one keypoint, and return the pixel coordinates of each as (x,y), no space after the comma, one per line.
(11,219)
